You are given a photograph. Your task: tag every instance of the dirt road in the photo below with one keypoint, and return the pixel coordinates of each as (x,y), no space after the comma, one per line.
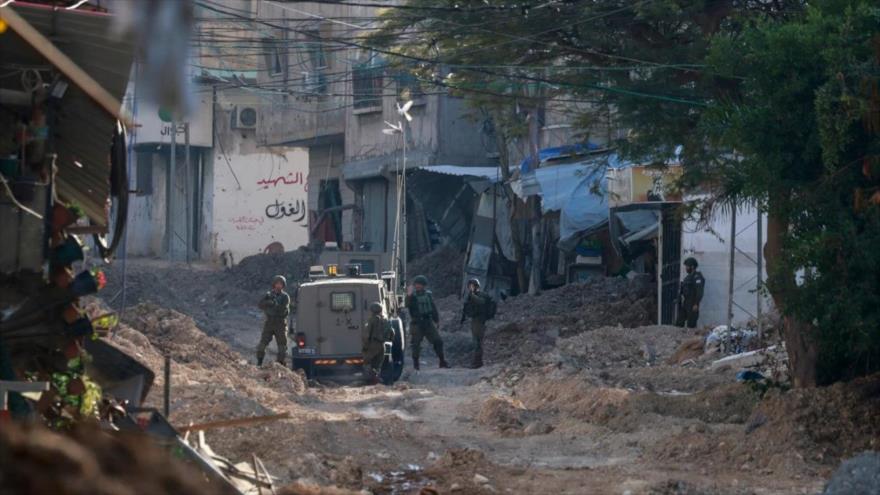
(563,406)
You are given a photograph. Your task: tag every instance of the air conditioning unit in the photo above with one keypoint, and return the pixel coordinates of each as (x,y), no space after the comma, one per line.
(244,117)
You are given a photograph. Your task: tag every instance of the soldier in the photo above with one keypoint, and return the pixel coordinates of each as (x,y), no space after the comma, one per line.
(690,295)
(476,307)
(276,305)
(373,337)
(425,318)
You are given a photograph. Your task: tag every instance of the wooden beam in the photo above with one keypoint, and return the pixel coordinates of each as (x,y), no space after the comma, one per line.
(67,66)
(230,423)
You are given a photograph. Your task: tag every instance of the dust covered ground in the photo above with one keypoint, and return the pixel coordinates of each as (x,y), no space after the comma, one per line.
(579,395)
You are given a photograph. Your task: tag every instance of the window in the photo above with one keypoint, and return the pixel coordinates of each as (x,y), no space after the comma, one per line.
(367,266)
(315,80)
(342,301)
(367,84)
(144,173)
(274,63)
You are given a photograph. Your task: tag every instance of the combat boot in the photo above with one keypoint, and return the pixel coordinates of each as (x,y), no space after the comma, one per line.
(477,362)
(259,361)
(416,363)
(443,363)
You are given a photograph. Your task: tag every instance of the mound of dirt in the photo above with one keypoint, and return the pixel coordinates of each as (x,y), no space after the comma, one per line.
(256,272)
(623,347)
(802,430)
(209,380)
(443,269)
(86,460)
(502,414)
(577,398)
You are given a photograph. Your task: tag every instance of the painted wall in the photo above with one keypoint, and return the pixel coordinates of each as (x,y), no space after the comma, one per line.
(712,250)
(260,196)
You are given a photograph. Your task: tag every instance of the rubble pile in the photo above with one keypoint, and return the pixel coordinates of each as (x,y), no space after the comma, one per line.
(255,272)
(442,267)
(85,460)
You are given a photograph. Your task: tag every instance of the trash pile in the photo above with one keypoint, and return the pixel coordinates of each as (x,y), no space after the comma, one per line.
(255,272)
(443,268)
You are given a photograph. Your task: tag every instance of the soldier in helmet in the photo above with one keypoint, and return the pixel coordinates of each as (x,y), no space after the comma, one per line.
(690,295)
(276,305)
(476,307)
(373,337)
(425,318)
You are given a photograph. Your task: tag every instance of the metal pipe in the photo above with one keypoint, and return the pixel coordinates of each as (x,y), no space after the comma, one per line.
(731,266)
(166,405)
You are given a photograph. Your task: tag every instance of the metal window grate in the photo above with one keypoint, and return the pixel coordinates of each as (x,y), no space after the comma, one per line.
(342,301)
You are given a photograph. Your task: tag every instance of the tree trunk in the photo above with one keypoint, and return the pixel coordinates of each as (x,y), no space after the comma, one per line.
(518,251)
(803,352)
(535,205)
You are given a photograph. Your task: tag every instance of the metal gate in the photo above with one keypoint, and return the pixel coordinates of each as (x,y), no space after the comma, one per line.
(671,259)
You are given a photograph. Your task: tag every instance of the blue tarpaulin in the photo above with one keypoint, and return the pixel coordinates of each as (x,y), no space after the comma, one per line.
(557,152)
(577,190)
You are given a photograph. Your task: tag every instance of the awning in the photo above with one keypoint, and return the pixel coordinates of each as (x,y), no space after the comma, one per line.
(84,129)
(490,173)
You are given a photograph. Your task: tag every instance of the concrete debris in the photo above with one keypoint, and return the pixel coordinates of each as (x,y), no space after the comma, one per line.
(480,479)
(857,476)
(743,360)
(727,340)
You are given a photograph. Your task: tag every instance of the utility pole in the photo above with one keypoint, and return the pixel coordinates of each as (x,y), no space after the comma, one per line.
(186,190)
(731,266)
(760,272)
(169,191)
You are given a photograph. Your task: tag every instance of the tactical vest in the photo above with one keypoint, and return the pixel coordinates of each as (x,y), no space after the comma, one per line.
(424,305)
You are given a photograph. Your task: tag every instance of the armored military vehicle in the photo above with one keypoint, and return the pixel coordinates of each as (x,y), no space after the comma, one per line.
(332,308)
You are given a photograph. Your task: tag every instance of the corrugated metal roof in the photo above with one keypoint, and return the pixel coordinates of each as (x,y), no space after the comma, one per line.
(457,170)
(84,130)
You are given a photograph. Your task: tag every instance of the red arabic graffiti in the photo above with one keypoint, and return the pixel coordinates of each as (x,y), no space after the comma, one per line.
(290,179)
(246,223)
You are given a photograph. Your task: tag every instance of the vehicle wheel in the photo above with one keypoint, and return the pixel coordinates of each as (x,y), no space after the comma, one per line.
(305,365)
(397,349)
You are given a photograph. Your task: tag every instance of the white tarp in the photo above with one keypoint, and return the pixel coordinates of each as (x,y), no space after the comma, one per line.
(577,190)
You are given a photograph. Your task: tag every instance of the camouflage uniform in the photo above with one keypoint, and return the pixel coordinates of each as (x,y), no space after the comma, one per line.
(373,338)
(425,317)
(276,305)
(690,295)
(475,308)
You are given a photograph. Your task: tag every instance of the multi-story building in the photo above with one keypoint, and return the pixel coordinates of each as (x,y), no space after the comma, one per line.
(334,96)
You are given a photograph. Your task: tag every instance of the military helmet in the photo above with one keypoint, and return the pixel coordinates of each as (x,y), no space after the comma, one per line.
(475,282)
(280,278)
(691,262)
(376,308)
(420,280)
